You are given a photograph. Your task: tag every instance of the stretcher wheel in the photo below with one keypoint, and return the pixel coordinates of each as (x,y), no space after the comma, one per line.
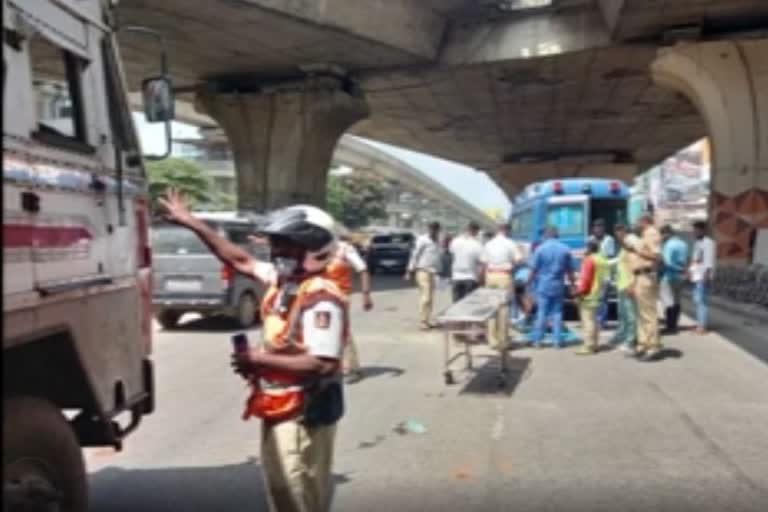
(448,377)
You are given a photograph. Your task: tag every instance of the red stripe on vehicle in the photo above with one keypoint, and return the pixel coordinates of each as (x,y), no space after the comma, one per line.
(40,237)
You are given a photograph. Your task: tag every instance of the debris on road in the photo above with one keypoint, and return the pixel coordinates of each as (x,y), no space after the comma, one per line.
(410,427)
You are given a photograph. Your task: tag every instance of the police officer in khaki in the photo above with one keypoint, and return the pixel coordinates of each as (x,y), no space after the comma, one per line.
(644,261)
(295,375)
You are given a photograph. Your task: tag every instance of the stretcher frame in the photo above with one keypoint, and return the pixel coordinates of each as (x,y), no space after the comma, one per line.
(469,317)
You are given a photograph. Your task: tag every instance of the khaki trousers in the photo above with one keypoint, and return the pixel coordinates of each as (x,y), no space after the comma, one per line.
(498,326)
(297,466)
(589,330)
(646,290)
(426,282)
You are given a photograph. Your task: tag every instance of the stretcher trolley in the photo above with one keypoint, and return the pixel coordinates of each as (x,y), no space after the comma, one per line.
(468,319)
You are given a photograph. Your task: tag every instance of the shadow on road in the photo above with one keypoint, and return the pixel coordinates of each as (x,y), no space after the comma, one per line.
(232,487)
(485,380)
(370,372)
(184,489)
(389,282)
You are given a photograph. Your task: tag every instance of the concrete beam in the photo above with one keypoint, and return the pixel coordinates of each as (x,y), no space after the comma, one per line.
(411,27)
(540,35)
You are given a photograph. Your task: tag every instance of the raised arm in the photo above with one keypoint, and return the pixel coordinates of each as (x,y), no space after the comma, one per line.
(178,212)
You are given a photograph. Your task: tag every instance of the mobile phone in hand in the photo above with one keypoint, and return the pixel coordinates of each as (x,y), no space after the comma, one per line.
(240,342)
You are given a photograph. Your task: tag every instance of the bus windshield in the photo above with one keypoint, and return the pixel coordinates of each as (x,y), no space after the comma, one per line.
(568,218)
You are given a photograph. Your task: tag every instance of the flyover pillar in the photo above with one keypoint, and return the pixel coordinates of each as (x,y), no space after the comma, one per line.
(283,138)
(728,82)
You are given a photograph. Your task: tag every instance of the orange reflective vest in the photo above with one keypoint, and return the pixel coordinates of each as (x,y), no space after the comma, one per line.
(278,395)
(340,271)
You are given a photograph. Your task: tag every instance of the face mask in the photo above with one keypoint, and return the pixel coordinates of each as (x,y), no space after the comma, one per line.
(285,266)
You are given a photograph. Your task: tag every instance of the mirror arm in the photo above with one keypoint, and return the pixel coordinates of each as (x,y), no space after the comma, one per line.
(157,35)
(163,72)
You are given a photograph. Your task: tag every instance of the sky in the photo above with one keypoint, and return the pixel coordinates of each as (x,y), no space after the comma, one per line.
(473,186)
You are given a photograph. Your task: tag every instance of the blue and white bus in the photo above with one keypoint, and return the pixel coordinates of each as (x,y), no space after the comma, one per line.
(571,205)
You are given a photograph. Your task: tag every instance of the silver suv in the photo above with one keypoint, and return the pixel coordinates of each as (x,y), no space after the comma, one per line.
(189,278)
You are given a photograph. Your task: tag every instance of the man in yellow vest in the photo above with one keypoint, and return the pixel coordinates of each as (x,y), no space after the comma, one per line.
(626,333)
(296,374)
(594,272)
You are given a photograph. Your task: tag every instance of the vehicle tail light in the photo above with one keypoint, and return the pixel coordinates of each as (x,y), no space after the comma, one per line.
(227,274)
(557,187)
(615,187)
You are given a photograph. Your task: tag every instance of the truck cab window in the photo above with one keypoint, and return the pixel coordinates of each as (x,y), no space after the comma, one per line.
(56,80)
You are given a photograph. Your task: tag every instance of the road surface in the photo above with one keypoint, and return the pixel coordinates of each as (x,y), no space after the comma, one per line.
(601,433)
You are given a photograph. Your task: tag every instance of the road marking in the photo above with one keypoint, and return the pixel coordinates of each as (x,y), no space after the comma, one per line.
(497,431)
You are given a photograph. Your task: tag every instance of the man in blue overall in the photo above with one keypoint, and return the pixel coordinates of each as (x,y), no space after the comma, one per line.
(550,264)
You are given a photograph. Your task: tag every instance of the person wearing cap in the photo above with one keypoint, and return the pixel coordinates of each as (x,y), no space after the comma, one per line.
(295,375)
(674,253)
(645,287)
(500,256)
(345,263)
(425,264)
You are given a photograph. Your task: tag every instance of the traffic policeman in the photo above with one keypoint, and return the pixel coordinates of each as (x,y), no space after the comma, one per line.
(295,375)
(645,288)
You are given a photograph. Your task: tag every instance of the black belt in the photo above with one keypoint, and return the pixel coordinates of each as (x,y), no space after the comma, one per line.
(646,270)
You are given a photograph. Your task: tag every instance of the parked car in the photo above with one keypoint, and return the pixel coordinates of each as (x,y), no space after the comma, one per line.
(389,252)
(189,278)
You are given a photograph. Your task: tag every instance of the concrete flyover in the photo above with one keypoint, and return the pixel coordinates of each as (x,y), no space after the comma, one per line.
(354,152)
(524,89)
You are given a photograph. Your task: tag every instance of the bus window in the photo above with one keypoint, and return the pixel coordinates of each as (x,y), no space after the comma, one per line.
(611,211)
(567,218)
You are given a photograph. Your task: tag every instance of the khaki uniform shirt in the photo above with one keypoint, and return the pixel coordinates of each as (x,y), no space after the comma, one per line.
(650,242)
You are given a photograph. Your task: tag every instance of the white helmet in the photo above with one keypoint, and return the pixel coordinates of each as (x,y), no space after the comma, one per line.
(308,227)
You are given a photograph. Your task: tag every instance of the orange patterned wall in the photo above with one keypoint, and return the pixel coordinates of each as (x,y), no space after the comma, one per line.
(735,220)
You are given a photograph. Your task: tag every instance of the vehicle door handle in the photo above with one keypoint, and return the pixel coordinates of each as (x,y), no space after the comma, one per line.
(30,202)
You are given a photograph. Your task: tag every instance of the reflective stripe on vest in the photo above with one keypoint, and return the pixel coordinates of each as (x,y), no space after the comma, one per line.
(341,273)
(602,270)
(278,395)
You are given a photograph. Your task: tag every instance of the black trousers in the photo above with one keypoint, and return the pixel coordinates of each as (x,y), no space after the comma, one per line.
(462,288)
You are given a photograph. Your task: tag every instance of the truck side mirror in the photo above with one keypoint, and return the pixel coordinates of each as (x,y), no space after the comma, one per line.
(158,99)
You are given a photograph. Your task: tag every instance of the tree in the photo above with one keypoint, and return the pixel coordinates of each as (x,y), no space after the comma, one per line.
(184,175)
(355,200)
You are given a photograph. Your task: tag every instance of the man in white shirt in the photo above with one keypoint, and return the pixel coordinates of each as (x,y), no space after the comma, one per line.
(702,271)
(467,252)
(500,256)
(425,263)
